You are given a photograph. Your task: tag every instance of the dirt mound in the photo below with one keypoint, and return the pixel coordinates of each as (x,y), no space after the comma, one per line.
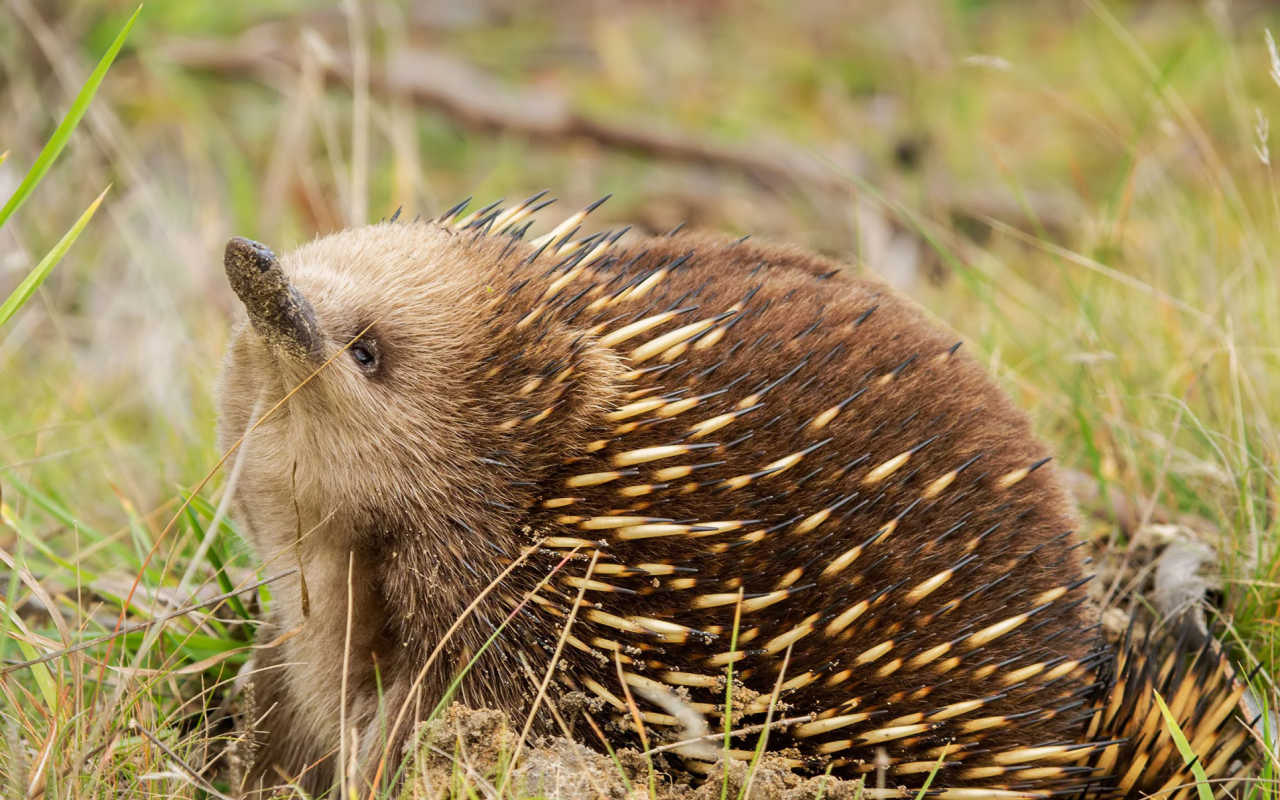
(470,750)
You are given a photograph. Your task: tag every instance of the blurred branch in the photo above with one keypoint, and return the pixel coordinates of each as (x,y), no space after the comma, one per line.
(276,52)
(478,100)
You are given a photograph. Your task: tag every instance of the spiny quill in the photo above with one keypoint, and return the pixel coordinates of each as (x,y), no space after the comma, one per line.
(728,430)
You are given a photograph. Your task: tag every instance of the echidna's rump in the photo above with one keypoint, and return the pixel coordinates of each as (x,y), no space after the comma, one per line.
(736,453)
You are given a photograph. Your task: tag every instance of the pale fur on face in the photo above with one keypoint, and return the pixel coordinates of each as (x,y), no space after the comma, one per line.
(353,435)
(346,436)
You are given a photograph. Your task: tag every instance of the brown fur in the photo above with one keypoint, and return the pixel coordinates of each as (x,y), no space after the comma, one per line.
(428,477)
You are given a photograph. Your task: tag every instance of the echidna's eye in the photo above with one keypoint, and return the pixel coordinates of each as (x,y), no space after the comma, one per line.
(365,356)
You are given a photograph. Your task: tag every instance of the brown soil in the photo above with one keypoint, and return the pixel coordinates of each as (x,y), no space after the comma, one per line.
(470,747)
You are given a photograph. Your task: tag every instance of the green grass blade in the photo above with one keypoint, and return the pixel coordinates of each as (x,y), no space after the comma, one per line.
(932,774)
(1184,748)
(219,568)
(55,508)
(822,787)
(728,697)
(32,282)
(60,136)
(44,679)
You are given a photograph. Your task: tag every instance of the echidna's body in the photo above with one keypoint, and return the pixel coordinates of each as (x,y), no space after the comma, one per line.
(732,431)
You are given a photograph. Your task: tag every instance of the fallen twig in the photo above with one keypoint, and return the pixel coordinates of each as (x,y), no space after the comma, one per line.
(478,100)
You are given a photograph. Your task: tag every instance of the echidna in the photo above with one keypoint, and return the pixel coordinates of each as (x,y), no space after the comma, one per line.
(737,453)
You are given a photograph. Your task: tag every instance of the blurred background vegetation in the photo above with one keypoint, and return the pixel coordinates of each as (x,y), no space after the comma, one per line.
(1083,189)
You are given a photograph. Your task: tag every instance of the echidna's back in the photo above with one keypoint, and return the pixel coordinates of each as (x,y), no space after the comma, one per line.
(806,449)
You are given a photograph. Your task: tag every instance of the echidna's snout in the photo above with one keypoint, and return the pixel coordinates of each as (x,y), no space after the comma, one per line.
(277,310)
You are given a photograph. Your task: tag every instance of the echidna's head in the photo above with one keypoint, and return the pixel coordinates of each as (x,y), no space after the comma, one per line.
(376,330)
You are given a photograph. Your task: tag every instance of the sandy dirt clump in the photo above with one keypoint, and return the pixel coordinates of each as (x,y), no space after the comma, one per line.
(472,748)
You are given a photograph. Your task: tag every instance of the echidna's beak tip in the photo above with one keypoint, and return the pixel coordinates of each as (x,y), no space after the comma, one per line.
(247,251)
(280,314)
